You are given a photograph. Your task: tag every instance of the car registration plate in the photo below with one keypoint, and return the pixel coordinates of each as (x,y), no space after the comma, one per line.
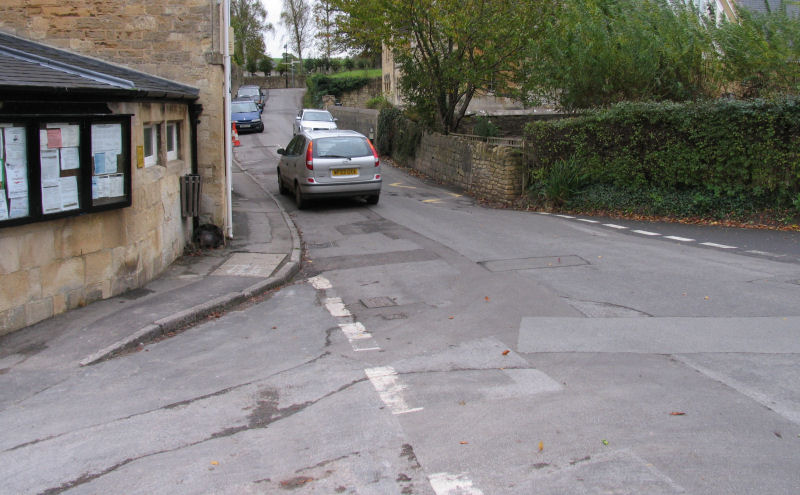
(344,171)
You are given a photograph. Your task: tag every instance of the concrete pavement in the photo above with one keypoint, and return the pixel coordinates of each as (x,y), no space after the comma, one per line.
(264,253)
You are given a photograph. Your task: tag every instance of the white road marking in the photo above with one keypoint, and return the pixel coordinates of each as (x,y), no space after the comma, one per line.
(431,200)
(390,389)
(587,220)
(542,213)
(564,216)
(676,238)
(355,331)
(453,484)
(336,307)
(764,253)
(721,246)
(644,232)
(614,226)
(320,283)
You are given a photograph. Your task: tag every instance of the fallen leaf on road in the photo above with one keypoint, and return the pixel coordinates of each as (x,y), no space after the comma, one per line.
(214,463)
(676,413)
(464,443)
(487,298)
(541,446)
(450,317)
(605,442)
(707,298)
(505,353)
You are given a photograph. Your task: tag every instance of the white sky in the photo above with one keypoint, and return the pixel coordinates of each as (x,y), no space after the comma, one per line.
(275,40)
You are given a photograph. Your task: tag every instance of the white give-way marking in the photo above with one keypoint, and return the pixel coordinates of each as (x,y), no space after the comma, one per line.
(390,389)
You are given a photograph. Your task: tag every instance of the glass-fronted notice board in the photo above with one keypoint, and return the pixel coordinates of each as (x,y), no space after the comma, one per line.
(52,167)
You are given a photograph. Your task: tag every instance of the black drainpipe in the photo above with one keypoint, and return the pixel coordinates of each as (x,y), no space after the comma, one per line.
(195,109)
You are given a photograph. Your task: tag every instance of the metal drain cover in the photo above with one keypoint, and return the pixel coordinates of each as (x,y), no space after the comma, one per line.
(533,263)
(378,302)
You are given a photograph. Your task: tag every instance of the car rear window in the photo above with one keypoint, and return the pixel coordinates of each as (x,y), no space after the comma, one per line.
(318,116)
(341,147)
(248,91)
(243,107)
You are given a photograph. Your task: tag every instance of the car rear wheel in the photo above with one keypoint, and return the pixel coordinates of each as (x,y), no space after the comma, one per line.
(299,199)
(373,199)
(281,186)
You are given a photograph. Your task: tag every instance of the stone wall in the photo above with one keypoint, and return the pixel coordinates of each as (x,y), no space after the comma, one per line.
(489,172)
(273,82)
(360,97)
(362,120)
(177,40)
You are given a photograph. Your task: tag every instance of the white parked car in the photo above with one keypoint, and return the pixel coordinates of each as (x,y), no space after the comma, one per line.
(310,119)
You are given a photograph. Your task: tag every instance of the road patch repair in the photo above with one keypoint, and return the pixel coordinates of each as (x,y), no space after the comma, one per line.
(259,265)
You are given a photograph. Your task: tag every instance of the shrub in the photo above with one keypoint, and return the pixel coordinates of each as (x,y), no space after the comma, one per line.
(398,135)
(718,155)
(485,127)
(378,102)
(320,85)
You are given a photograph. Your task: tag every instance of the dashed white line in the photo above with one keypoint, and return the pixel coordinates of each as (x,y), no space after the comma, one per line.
(355,331)
(676,238)
(764,253)
(390,389)
(336,307)
(587,220)
(453,484)
(644,232)
(615,226)
(320,283)
(564,216)
(720,246)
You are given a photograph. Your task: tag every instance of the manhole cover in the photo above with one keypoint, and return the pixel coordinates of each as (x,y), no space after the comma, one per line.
(378,302)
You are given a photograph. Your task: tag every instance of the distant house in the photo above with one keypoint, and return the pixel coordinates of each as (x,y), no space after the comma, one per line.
(104,107)
(729,8)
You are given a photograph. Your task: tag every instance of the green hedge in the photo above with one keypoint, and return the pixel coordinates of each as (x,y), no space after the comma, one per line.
(320,85)
(398,136)
(715,154)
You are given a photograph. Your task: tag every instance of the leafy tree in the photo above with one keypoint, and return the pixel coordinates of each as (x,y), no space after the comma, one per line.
(249,22)
(349,64)
(448,49)
(251,65)
(265,65)
(296,16)
(598,52)
(329,37)
(760,52)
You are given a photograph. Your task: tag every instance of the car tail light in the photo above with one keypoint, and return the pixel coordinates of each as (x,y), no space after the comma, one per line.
(374,153)
(310,156)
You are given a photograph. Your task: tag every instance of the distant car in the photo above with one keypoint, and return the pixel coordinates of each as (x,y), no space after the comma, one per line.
(310,119)
(325,164)
(246,115)
(255,93)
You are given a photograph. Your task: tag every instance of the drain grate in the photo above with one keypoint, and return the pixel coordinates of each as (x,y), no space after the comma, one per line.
(533,263)
(378,302)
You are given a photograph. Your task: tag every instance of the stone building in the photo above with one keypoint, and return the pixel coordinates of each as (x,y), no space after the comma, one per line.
(105,106)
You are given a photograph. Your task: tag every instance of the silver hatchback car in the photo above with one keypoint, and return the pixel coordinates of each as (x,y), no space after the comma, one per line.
(326,164)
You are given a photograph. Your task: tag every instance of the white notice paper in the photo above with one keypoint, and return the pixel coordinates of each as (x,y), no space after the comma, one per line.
(69,193)
(17,178)
(51,169)
(107,138)
(3,205)
(70,159)
(70,134)
(51,199)
(18,208)
(100,185)
(116,185)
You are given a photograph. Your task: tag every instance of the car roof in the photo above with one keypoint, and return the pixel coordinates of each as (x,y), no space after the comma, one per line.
(332,133)
(249,86)
(315,110)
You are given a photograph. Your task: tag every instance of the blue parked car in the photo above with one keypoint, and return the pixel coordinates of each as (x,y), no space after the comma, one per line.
(246,115)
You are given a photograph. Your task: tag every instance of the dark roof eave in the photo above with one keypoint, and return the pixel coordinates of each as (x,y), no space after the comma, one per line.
(96,94)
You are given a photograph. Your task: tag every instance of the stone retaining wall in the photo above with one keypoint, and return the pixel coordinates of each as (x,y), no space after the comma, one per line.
(362,120)
(489,172)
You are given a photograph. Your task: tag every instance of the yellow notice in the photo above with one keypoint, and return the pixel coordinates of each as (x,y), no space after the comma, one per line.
(140,156)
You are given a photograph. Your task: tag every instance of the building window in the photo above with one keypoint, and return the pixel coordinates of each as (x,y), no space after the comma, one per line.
(173,140)
(151,144)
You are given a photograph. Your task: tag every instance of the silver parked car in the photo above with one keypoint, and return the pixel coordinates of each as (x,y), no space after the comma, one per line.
(310,119)
(324,164)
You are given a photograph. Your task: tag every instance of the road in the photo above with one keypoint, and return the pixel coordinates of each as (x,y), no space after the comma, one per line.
(435,346)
